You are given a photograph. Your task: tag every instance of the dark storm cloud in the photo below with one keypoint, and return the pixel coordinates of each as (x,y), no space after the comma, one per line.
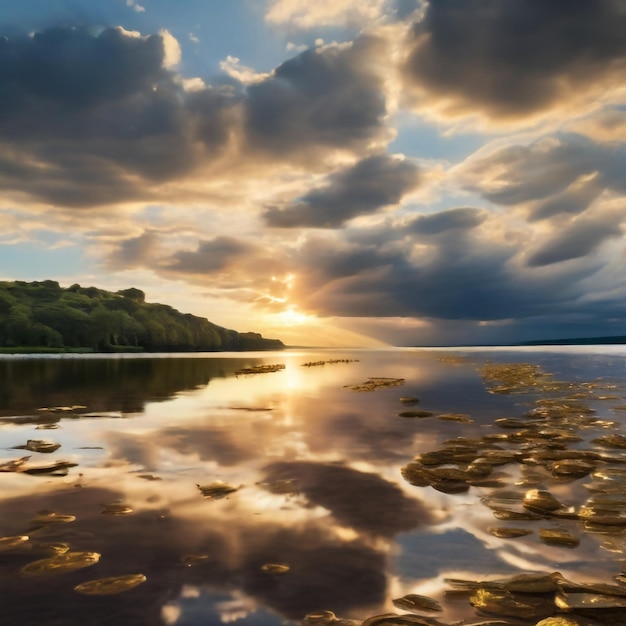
(556,174)
(95,118)
(575,241)
(437,223)
(92,117)
(329,97)
(512,58)
(73,68)
(456,275)
(211,256)
(370,185)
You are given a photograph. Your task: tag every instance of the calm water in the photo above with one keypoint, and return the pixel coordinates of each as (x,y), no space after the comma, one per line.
(317,467)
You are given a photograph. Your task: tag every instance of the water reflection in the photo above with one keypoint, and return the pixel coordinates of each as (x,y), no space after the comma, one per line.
(104,384)
(317,467)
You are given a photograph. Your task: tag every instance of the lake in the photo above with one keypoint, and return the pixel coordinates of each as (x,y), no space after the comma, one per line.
(209,489)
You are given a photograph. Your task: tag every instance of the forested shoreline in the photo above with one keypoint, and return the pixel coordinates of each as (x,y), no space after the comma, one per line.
(43,315)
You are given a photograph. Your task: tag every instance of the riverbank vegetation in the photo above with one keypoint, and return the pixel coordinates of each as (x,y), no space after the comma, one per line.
(45,317)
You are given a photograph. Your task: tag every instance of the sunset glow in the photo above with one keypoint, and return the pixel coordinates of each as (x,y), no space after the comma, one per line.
(372,166)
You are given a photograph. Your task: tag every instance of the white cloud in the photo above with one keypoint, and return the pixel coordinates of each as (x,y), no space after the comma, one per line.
(233,67)
(305,14)
(135,6)
(294,47)
(171,49)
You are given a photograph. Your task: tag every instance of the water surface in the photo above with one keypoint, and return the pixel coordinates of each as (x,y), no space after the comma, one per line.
(317,470)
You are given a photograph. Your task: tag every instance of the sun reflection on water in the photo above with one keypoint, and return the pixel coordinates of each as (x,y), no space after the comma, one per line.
(316,472)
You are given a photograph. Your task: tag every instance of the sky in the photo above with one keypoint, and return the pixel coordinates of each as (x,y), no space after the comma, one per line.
(338,172)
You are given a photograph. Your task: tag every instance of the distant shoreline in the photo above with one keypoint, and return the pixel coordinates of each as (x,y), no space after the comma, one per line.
(579,341)
(131,350)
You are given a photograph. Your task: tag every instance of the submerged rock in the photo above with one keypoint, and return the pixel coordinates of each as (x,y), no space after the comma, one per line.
(557,537)
(217,490)
(60,564)
(275,568)
(39,445)
(416,602)
(111,585)
(11,543)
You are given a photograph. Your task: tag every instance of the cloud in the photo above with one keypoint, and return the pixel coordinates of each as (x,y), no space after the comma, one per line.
(366,187)
(510,61)
(553,175)
(211,256)
(135,6)
(73,68)
(577,240)
(305,15)
(100,117)
(135,251)
(330,97)
(476,269)
(606,126)
(453,219)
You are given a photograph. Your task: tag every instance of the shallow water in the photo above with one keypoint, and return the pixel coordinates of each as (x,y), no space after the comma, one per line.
(315,468)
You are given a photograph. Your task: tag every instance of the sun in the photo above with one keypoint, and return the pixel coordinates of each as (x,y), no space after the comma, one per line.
(292,317)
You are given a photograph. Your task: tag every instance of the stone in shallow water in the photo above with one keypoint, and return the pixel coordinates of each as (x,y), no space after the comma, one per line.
(416,602)
(450,486)
(462,418)
(51,517)
(567,620)
(522,583)
(190,560)
(52,549)
(275,568)
(540,501)
(11,543)
(393,619)
(409,400)
(416,474)
(60,564)
(60,468)
(149,477)
(611,441)
(507,422)
(111,585)
(571,468)
(504,602)
(509,533)
(286,486)
(14,465)
(217,491)
(116,508)
(379,382)
(569,601)
(557,537)
(39,445)
(508,515)
(416,414)
(328,617)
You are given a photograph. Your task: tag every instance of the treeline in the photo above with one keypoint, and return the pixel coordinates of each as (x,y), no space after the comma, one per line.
(43,314)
